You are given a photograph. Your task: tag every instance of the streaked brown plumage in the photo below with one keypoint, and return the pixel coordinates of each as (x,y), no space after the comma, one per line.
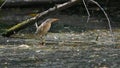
(45,27)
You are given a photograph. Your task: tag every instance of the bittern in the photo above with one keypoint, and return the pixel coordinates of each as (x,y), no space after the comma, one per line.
(43,29)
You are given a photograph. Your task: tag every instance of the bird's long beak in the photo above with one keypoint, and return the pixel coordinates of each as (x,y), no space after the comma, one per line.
(55,19)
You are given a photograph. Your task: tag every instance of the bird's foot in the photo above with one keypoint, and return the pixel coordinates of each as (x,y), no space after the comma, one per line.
(43,43)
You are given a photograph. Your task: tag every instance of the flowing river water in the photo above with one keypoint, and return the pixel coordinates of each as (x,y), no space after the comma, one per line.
(86,49)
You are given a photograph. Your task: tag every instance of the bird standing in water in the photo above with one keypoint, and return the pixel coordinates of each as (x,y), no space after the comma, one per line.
(44,28)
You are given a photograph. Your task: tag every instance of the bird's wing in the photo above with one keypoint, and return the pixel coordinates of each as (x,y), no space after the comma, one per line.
(39,29)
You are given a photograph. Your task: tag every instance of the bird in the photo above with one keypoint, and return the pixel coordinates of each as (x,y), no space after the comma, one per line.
(43,29)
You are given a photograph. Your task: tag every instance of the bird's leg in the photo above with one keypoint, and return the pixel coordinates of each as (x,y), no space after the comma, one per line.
(43,40)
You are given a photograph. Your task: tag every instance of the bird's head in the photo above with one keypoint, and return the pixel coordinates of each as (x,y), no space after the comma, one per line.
(52,20)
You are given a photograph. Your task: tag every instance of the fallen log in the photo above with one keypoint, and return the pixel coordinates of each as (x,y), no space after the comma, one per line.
(39,16)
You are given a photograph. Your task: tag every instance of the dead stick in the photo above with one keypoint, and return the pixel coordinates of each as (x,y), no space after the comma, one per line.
(39,16)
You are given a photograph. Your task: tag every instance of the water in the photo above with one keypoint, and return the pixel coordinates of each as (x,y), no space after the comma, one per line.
(67,50)
(83,48)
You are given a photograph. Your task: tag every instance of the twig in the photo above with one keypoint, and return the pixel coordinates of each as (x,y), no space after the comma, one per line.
(3,4)
(87,11)
(106,17)
(36,25)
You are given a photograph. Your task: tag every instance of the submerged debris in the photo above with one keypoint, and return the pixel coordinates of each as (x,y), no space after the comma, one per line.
(23,46)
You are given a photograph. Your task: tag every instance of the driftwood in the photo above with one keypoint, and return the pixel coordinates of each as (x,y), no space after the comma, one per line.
(39,16)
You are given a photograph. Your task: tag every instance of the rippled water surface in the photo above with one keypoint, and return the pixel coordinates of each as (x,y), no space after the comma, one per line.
(90,49)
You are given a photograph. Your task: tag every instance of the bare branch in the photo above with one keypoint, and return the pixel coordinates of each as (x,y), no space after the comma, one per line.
(113,39)
(39,16)
(3,4)
(86,10)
